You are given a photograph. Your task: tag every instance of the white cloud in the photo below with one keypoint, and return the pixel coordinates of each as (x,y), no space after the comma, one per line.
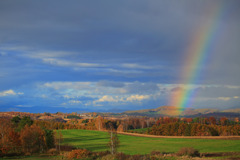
(74,102)
(135,93)
(3,53)
(108,98)
(130,98)
(224,98)
(67,85)
(67,96)
(9,92)
(227,98)
(136,66)
(64,63)
(137,98)
(232,87)
(48,54)
(23,105)
(50,57)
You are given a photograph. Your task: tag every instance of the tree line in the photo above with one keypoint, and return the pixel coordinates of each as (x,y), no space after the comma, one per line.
(194,129)
(160,126)
(23,136)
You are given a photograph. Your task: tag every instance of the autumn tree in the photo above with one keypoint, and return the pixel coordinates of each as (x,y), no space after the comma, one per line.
(33,139)
(5,127)
(223,121)
(212,120)
(13,141)
(99,123)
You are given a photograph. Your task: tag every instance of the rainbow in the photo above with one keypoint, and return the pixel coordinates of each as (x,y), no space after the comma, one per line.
(196,56)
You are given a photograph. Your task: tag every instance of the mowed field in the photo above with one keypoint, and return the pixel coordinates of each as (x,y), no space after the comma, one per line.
(97,141)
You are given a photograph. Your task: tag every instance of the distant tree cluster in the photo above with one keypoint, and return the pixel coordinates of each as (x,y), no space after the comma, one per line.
(195,127)
(23,136)
(73,117)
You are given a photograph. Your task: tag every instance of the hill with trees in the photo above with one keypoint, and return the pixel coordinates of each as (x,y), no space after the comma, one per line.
(185,112)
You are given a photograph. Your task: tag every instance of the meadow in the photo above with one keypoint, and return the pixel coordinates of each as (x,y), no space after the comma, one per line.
(97,141)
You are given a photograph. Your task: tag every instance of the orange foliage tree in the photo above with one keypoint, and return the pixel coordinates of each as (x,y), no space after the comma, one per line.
(33,139)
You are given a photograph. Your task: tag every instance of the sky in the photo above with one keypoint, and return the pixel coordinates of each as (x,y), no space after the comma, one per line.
(113,56)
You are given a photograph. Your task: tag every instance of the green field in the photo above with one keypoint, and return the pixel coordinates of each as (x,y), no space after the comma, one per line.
(33,157)
(97,141)
(141,130)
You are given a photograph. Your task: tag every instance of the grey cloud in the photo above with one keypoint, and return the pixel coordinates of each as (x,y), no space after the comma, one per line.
(105,83)
(214,92)
(118,45)
(142,88)
(177,89)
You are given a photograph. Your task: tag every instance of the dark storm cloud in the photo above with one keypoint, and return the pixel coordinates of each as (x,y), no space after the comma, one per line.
(156,31)
(127,29)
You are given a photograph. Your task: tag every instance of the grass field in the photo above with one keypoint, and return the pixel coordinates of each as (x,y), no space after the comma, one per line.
(33,157)
(97,141)
(141,130)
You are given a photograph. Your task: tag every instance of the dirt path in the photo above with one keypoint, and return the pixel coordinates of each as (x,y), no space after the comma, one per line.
(187,137)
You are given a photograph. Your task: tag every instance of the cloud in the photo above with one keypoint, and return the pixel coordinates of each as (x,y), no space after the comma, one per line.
(177,89)
(142,88)
(67,85)
(3,53)
(106,83)
(108,98)
(45,54)
(10,92)
(120,50)
(224,98)
(136,66)
(115,99)
(65,63)
(227,98)
(137,98)
(74,102)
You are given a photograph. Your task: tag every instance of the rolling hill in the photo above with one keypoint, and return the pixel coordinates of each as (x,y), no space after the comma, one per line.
(188,112)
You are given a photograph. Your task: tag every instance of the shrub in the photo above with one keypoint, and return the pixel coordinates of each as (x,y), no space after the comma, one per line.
(67,148)
(53,151)
(107,157)
(79,154)
(139,157)
(121,156)
(156,153)
(188,151)
(101,154)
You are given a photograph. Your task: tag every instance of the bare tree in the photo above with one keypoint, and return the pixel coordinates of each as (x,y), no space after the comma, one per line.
(114,141)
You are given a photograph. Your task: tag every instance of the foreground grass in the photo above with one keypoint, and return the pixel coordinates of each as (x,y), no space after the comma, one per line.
(33,157)
(97,141)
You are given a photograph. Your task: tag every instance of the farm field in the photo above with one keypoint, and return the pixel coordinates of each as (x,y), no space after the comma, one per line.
(97,141)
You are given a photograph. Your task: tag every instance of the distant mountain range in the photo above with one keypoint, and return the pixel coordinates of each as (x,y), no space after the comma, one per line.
(188,112)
